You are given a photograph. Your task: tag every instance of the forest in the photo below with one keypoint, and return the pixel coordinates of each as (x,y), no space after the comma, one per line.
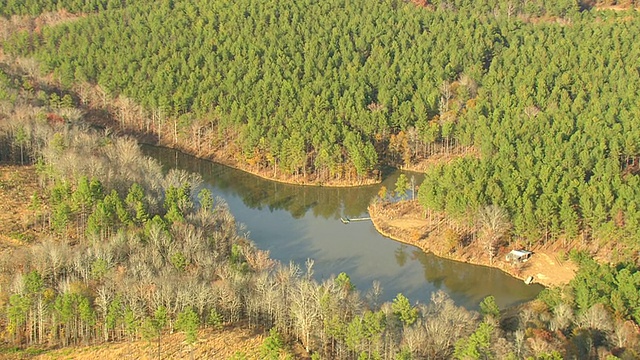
(120,250)
(329,88)
(532,106)
(528,106)
(37,7)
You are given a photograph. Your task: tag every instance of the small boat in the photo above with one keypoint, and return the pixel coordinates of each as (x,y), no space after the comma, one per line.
(528,280)
(345,220)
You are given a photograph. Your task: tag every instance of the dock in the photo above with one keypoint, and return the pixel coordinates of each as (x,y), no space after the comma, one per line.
(346,220)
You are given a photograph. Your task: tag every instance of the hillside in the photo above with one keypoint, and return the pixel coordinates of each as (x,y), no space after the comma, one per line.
(523,116)
(536,101)
(231,343)
(18,229)
(17,185)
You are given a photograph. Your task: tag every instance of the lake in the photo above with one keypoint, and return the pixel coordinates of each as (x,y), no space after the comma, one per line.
(296,223)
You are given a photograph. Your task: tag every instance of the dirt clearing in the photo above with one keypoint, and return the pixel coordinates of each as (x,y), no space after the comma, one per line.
(406,222)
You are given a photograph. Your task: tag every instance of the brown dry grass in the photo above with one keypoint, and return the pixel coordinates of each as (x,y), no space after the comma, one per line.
(405,222)
(211,344)
(617,7)
(17,185)
(442,158)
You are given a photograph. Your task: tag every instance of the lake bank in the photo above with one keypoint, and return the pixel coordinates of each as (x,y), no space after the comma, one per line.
(405,222)
(263,174)
(227,155)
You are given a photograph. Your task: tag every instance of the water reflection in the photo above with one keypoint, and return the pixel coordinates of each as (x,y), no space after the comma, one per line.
(401,255)
(296,223)
(258,193)
(474,283)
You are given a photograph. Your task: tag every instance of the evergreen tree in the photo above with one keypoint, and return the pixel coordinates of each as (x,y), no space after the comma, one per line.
(403,310)
(477,346)
(489,308)
(402,185)
(206,199)
(188,322)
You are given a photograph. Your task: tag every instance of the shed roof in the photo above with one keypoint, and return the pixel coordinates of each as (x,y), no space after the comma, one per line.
(521,253)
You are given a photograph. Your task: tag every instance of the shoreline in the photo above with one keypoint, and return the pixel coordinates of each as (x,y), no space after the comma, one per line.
(152,139)
(236,166)
(403,240)
(545,266)
(381,225)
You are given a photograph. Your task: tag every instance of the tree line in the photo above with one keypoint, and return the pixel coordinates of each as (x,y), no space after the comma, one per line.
(37,7)
(299,88)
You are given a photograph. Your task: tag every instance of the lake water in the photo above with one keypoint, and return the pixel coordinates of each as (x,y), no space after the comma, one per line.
(296,223)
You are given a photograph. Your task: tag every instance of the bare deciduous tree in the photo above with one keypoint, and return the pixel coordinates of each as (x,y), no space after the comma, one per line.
(596,317)
(445,325)
(562,317)
(494,226)
(305,310)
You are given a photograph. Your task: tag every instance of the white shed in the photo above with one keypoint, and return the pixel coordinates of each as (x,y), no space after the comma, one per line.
(519,255)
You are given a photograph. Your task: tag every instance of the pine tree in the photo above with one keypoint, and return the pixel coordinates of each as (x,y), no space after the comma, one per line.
(477,346)
(402,185)
(188,322)
(489,308)
(272,346)
(403,310)
(206,199)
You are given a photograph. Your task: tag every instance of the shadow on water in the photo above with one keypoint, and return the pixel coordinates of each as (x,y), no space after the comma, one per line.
(259,193)
(474,283)
(299,222)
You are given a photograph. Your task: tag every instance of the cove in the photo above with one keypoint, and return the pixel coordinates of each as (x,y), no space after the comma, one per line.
(296,223)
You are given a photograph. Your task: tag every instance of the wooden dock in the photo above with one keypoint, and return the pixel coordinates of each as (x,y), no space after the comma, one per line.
(346,220)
